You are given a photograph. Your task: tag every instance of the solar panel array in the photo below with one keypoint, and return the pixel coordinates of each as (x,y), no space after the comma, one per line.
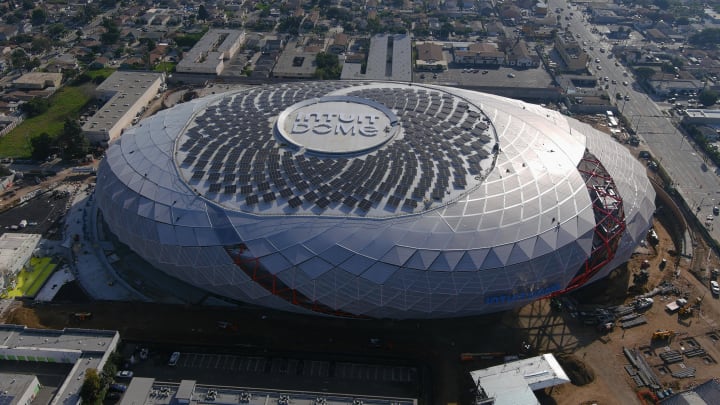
(232,152)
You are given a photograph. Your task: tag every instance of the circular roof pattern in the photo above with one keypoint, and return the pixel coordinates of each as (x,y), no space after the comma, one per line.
(526,221)
(338,149)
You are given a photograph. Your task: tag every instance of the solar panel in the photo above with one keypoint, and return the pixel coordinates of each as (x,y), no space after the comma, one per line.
(336,196)
(322,202)
(365,205)
(294,202)
(231,189)
(286,192)
(251,199)
(247,189)
(311,196)
(269,197)
(350,201)
(410,203)
(214,188)
(393,201)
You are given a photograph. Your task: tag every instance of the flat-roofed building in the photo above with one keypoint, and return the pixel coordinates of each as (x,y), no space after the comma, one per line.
(702,116)
(15,251)
(38,80)
(389,58)
(514,382)
(125,94)
(211,52)
(18,389)
(82,348)
(188,392)
(430,57)
(572,54)
(297,61)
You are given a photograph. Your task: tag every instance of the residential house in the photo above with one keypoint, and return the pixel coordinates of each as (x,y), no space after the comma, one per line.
(340,43)
(519,56)
(480,54)
(430,57)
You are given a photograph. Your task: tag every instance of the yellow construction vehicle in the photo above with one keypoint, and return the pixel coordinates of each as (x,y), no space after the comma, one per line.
(663,334)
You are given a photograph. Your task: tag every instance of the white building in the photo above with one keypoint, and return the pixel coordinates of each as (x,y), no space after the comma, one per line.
(126,94)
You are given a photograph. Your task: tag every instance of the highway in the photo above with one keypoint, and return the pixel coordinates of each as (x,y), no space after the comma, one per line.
(696,179)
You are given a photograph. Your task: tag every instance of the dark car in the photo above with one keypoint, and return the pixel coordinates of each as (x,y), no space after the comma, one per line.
(118,387)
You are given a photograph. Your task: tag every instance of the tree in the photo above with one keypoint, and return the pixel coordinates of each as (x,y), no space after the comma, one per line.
(56,30)
(644,73)
(112,33)
(42,146)
(38,16)
(328,66)
(290,25)
(708,97)
(18,58)
(35,107)
(71,140)
(707,38)
(203,14)
(91,390)
(41,44)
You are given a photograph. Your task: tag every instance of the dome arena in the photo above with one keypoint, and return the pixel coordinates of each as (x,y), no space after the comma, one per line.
(374,199)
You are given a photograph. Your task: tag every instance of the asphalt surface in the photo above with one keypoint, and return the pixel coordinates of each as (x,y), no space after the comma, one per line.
(694,178)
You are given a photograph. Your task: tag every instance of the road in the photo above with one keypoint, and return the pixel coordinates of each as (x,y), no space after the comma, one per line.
(694,177)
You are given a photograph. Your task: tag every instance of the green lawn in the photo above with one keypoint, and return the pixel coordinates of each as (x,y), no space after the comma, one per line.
(65,103)
(29,282)
(165,67)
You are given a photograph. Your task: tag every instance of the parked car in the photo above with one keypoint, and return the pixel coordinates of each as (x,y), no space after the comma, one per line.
(118,387)
(174,358)
(714,287)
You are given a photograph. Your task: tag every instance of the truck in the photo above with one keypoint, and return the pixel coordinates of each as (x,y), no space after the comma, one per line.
(675,305)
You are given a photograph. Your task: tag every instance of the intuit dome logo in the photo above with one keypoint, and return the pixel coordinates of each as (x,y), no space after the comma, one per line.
(337,125)
(344,124)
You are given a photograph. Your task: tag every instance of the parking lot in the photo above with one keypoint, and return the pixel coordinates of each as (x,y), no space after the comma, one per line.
(303,368)
(307,372)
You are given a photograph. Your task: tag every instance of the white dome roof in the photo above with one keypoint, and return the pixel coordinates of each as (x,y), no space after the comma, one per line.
(424,201)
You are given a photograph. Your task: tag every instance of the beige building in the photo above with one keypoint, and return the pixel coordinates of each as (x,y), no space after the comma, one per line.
(127,94)
(38,80)
(483,54)
(574,57)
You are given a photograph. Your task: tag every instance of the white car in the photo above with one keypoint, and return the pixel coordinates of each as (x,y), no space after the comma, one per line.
(124,374)
(714,287)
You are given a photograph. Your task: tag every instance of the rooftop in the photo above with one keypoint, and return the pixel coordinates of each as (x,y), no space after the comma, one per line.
(146,391)
(514,382)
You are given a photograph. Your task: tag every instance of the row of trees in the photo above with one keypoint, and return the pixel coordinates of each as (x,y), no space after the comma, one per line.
(96,384)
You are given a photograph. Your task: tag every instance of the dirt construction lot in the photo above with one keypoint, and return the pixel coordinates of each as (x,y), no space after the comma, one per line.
(594,360)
